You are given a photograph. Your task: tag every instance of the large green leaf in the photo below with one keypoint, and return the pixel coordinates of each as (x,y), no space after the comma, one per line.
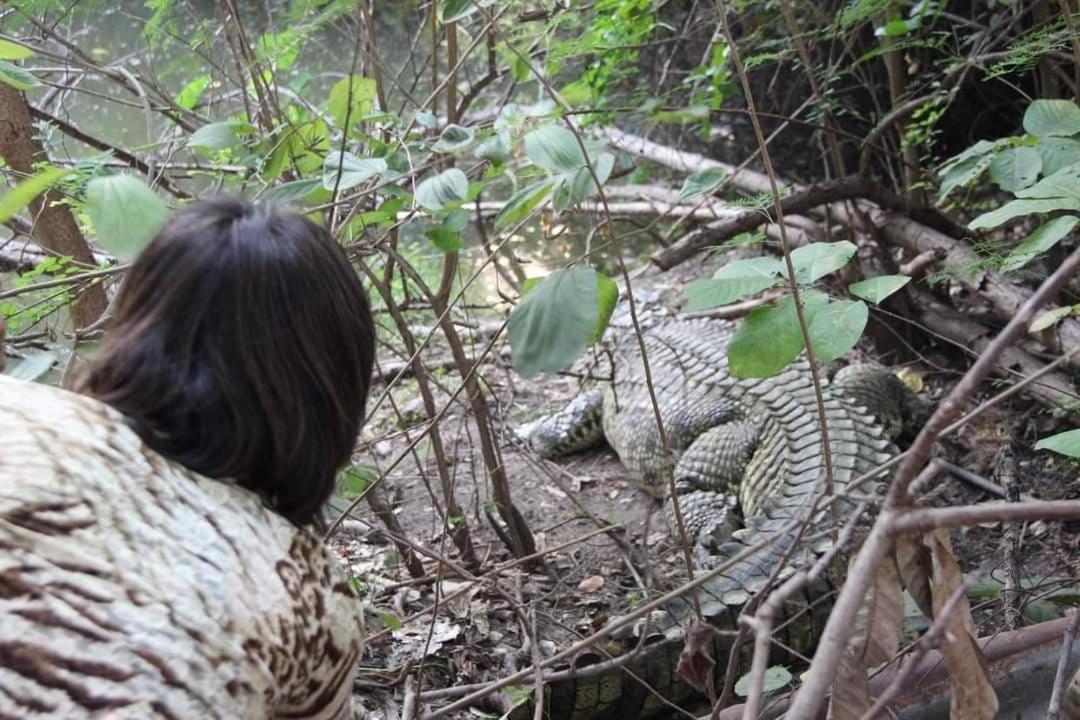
(703,182)
(1016,208)
(454,139)
(963,173)
(769,337)
(878,288)
(287,192)
(13,51)
(552,324)
(776,677)
(356,90)
(1058,153)
(21,195)
(190,93)
(354,170)
(555,149)
(495,149)
(1015,168)
(1044,118)
(447,241)
(16,77)
(218,135)
(817,260)
(125,212)
(448,186)
(1038,242)
(1065,183)
(731,282)
(522,203)
(1066,443)
(572,188)
(836,328)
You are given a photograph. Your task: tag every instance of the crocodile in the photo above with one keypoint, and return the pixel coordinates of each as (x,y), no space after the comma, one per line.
(745,452)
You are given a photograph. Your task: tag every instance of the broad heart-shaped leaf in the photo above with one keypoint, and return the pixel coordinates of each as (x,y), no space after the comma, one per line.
(356,90)
(1038,242)
(836,328)
(703,182)
(287,192)
(776,677)
(16,77)
(551,325)
(13,202)
(555,149)
(1065,183)
(1015,168)
(1058,153)
(454,139)
(354,170)
(731,282)
(1044,118)
(1066,443)
(495,149)
(125,212)
(12,51)
(1016,208)
(445,240)
(878,288)
(522,203)
(769,337)
(446,187)
(574,187)
(816,260)
(218,135)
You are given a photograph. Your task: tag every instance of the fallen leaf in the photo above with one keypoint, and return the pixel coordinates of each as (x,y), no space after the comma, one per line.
(591,584)
(878,624)
(850,697)
(696,661)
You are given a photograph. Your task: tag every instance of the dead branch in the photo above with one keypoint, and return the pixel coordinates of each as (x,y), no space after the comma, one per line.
(1053,710)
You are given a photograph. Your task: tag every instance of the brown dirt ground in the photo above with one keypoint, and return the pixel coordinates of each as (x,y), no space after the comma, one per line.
(579,588)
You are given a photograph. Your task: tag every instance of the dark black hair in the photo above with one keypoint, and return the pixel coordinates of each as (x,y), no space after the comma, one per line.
(241,347)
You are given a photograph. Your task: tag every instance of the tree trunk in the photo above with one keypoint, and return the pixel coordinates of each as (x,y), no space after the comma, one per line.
(54,227)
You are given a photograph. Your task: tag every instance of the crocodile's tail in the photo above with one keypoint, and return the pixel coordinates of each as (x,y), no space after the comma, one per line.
(576,427)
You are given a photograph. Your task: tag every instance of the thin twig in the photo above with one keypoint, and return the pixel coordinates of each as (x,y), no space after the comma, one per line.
(1053,710)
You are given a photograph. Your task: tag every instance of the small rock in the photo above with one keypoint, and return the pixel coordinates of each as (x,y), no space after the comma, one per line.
(591,584)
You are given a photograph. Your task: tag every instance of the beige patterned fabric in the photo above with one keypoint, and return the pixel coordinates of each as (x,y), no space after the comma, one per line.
(133,588)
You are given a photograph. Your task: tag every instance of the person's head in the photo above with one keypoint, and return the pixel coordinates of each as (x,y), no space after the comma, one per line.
(241,347)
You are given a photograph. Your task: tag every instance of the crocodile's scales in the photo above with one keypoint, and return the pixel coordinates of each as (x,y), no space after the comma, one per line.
(757,441)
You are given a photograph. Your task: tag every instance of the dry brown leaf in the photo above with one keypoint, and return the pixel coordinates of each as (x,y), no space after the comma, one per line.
(591,584)
(696,660)
(850,696)
(879,622)
(914,566)
(973,697)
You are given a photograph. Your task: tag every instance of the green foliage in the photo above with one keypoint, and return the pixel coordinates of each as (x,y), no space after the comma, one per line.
(125,212)
(438,191)
(1066,443)
(876,289)
(454,139)
(12,51)
(355,479)
(769,338)
(345,170)
(353,96)
(701,183)
(777,677)
(16,76)
(14,201)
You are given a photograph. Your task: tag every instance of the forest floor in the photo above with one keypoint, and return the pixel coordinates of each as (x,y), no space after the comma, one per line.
(479,636)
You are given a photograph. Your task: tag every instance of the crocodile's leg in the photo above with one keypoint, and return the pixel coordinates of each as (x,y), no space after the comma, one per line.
(707,480)
(576,427)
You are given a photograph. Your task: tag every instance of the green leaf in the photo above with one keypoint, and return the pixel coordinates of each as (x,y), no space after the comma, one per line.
(16,77)
(31,367)
(1038,242)
(555,149)
(125,212)
(454,10)
(1015,168)
(356,478)
(1044,118)
(522,203)
(456,221)
(551,325)
(769,337)
(1065,183)
(190,93)
(389,620)
(1017,208)
(446,187)
(836,328)
(496,149)
(446,240)
(454,139)
(893,28)
(356,90)
(607,296)
(13,202)
(12,51)
(572,188)
(816,260)
(732,282)
(878,288)
(287,192)
(426,119)
(1058,153)
(963,173)
(354,170)
(703,182)
(1066,443)
(218,135)
(981,149)
(1051,318)
(692,114)
(776,677)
